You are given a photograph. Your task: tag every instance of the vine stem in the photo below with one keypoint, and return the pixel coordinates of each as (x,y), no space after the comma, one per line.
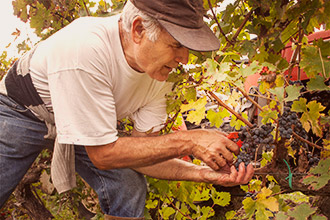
(323,69)
(295,54)
(86,9)
(306,141)
(233,40)
(216,20)
(229,109)
(187,216)
(250,99)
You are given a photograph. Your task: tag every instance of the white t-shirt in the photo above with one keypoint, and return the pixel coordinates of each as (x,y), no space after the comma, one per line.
(82,75)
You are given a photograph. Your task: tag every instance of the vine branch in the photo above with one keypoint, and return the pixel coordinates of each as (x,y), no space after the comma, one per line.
(233,40)
(187,216)
(229,109)
(249,98)
(306,141)
(216,20)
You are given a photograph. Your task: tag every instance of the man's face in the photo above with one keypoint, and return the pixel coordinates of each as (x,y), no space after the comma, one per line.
(158,58)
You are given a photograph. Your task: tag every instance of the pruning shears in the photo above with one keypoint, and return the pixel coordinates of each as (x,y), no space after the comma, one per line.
(234,137)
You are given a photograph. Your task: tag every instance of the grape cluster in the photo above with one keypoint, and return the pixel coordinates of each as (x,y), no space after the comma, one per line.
(289,123)
(252,138)
(286,121)
(312,159)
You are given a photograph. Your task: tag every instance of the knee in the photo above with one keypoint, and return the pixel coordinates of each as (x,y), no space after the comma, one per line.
(124,194)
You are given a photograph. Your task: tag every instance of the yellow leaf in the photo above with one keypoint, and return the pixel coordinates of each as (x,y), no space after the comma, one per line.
(264,193)
(271,203)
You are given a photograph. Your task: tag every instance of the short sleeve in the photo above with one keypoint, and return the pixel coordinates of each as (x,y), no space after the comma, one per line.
(84,107)
(152,116)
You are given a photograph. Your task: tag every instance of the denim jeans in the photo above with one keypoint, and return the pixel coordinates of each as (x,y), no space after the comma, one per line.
(121,192)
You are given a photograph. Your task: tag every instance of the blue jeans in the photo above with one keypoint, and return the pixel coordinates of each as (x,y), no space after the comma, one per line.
(121,192)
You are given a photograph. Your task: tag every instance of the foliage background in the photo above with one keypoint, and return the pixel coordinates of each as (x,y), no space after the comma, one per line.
(253,34)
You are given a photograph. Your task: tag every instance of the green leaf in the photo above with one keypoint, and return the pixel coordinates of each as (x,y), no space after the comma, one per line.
(268,115)
(230,215)
(317,83)
(166,212)
(216,118)
(251,69)
(207,212)
(293,92)
(299,105)
(296,197)
(278,92)
(198,113)
(312,117)
(234,122)
(221,198)
(319,217)
(289,31)
(190,93)
(313,63)
(249,206)
(281,216)
(200,195)
(321,175)
(302,212)
(151,204)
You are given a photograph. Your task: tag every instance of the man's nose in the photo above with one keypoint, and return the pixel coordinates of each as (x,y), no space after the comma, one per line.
(182,55)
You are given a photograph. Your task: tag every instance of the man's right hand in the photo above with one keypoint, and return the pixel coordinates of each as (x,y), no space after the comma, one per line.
(213,148)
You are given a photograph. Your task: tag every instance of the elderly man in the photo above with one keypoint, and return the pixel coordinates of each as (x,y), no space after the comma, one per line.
(90,74)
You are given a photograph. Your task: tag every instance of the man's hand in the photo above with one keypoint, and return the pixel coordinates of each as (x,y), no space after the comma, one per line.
(228,176)
(213,148)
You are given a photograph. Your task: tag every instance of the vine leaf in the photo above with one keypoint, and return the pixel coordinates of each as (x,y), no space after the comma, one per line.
(198,113)
(198,195)
(267,115)
(320,175)
(299,105)
(326,152)
(166,212)
(319,217)
(309,119)
(317,83)
(293,92)
(313,62)
(216,118)
(302,212)
(251,69)
(221,198)
(234,122)
(278,92)
(261,206)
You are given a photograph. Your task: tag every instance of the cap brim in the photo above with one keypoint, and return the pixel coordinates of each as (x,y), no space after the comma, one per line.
(202,39)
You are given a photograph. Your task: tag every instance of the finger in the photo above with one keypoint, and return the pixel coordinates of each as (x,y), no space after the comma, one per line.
(241,173)
(211,163)
(233,174)
(232,146)
(220,160)
(249,173)
(227,155)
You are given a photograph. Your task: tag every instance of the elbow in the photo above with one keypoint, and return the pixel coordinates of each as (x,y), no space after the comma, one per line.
(100,165)
(99,158)
(99,162)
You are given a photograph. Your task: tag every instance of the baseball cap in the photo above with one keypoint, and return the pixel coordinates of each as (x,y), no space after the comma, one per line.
(183,20)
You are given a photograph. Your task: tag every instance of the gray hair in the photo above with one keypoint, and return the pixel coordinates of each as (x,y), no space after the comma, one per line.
(150,24)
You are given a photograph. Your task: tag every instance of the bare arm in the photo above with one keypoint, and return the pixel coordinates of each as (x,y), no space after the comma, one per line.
(177,169)
(210,146)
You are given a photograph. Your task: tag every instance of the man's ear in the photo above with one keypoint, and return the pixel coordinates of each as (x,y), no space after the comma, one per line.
(137,30)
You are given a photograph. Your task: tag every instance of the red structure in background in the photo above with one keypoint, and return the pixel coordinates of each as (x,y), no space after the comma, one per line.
(287,53)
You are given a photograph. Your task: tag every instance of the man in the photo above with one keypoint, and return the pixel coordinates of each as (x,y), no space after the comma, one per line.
(94,72)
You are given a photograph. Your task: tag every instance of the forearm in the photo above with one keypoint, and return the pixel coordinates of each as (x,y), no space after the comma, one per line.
(174,169)
(177,169)
(139,151)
